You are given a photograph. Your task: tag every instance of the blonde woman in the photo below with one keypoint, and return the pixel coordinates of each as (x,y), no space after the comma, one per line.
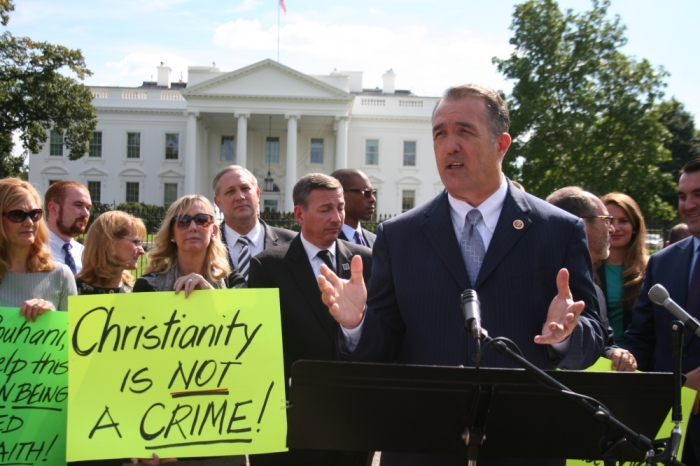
(29,278)
(187,253)
(112,248)
(622,273)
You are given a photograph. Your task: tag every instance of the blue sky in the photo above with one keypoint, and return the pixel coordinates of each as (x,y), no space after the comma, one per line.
(430,45)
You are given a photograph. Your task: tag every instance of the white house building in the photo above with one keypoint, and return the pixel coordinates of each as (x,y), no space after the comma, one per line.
(163,140)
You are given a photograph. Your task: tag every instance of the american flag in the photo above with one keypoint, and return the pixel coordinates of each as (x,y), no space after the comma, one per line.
(283,6)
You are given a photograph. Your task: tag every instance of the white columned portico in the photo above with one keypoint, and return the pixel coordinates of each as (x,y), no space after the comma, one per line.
(191,158)
(341,142)
(291,176)
(242,143)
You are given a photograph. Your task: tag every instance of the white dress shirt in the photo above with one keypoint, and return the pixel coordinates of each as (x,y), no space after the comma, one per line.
(312,250)
(256,241)
(58,254)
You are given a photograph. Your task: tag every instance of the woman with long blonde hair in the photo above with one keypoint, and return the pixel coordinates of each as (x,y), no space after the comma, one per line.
(113,246)
(29,278)
(187,252)
(621,274)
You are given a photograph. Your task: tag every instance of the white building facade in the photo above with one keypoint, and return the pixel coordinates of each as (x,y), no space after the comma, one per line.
(163,140)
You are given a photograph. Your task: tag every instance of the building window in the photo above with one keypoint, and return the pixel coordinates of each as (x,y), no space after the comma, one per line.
(169,193)
(317,151)
(132,192)
(133,145)
(95,149)
(372,152)
(53,181)
(228,153)
(409,153)
(95,189)
(56,146)
(172,146)
(408,200)
(272,150)
(270,205)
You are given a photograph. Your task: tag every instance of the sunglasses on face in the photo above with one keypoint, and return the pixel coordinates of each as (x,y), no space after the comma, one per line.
(19,216)
(201,220)
(368,193)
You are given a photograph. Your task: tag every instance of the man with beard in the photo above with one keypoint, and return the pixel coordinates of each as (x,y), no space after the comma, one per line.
(67,205)
(598,223)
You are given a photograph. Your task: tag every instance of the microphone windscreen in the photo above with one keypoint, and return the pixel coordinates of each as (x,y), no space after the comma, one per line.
(658,294)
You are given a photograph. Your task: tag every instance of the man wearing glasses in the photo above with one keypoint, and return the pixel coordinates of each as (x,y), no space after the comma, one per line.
(360,200)
(598,224)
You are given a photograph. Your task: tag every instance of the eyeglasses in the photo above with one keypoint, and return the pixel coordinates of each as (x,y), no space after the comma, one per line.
(201,220)
(368,193)
(138,242)
(19,216)
(608,219)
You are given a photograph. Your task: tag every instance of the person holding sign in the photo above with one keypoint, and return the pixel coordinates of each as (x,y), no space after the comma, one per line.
(188,254)
(29,278)
(112,248)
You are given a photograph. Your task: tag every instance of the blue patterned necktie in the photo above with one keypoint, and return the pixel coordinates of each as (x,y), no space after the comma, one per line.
(70,262)
(359,239)
(244,257)
(472,245)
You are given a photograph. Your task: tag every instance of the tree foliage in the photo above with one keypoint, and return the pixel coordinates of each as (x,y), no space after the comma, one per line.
(583,113)
(35,96)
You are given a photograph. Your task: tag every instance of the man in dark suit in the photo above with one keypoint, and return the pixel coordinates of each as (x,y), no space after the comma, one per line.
(514,249)
(598,222)
(237,195)
(308,331)
(677,268)
(360,199)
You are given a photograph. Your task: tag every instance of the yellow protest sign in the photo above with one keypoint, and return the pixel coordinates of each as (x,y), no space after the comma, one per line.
(687,400)
(33,388)
(158,373)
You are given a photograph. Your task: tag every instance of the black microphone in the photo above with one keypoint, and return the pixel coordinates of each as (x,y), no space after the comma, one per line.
(659,295)
(471,308)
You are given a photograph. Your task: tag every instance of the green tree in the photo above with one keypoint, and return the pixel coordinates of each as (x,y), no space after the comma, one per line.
(684,143)
(35,96)
(583,113)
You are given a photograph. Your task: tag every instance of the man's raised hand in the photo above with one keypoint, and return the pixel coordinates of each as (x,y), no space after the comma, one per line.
(345,299)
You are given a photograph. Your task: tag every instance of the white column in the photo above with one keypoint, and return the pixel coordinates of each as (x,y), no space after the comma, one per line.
(242,143)
(341,142)
(191,156)
(291,175)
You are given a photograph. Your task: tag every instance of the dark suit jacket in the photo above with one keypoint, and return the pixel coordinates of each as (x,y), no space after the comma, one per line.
(649,335)
(308,329)
(273,237)
(418,274)
(370,237)
(610,337)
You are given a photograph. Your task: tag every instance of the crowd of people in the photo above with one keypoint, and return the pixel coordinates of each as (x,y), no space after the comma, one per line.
(565,279)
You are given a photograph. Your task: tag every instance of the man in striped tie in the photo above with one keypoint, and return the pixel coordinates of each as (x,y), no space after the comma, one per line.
(237,195)
(360,200)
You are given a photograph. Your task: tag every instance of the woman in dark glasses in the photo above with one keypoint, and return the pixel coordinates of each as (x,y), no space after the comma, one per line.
(187,253)
(112,248)
(29,278)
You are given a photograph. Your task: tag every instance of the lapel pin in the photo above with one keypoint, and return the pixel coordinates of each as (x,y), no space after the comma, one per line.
(518,224)
(346,266)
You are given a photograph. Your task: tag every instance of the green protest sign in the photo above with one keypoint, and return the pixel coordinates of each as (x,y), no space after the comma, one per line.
(158,373)
(33,388)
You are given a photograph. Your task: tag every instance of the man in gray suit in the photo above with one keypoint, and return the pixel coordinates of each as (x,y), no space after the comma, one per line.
(598,222)
(360,199)
(515,250)
(237,195)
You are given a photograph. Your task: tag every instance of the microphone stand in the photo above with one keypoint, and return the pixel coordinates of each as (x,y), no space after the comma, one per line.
(656,451)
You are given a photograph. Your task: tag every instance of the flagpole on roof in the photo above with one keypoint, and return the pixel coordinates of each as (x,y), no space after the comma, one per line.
(279,7)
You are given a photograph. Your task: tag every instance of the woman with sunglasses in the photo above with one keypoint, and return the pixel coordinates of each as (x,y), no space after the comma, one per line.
(29,278)
(113,246)
(187,252)
(621,274)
